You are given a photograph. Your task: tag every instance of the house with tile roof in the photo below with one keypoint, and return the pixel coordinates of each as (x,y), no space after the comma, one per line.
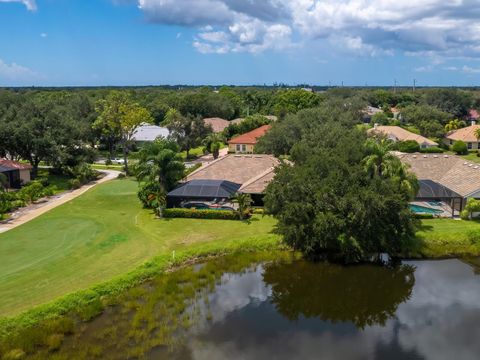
(16,173)
(396,133)
(466,134)
(250,173)
(245,144)
(149,133)
(447,178)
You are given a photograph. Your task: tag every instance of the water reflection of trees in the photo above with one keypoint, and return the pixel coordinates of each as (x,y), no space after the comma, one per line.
(364,295)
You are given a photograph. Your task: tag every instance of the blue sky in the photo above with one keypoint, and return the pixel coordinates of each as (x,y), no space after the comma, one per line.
(152,42)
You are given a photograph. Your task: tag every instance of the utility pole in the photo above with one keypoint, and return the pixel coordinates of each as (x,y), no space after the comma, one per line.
(414,84)
(395,86)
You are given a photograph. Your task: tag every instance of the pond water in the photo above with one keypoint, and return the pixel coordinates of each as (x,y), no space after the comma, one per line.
(276,306)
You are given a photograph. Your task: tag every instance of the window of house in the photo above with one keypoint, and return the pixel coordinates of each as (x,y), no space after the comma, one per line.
(244,148)
(469,145)
(238,148)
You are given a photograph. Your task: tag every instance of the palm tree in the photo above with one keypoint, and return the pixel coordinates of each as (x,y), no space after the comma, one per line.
(406,181)
(244,202)
(213,143)
(452,125)
(477,133)
(379,156)
(160,161)
(382,163)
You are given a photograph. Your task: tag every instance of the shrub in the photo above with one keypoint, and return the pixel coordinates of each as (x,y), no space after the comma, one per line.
(15,204)
(5,204)
(85,173)
(49,191)
(147,193)
(465,215)
(121,176)
(74,184)
(409,146)
(31,192)
(44,181)
(424,216)
(432,150)
(201,214)
(460,148)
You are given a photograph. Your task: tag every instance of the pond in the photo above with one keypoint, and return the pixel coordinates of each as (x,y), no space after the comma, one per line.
(277,306)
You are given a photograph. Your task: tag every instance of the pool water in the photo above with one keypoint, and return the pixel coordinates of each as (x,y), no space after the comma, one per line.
(424,210)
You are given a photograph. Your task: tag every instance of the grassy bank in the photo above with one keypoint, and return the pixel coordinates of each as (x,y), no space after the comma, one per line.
(101,235)
(447,238)
(86,304)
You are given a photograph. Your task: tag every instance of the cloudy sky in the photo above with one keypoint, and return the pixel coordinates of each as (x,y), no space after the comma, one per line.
(141,42)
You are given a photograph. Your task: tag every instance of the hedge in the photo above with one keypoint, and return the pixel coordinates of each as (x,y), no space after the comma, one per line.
(424,216)
(432,150)
(200,214)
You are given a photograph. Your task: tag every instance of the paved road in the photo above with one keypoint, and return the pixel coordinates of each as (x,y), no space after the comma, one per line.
(33,211)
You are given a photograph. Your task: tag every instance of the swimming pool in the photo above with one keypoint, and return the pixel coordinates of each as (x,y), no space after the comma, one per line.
(424,210)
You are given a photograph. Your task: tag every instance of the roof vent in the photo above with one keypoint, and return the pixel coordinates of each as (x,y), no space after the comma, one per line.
(435,156)
(475,167)
(465,163)
(470,165)
(445,156)
(425,156)
(414,156)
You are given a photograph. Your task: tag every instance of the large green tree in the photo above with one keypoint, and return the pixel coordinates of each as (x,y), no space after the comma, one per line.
(188,131)
(119,117)
(428,119)
(330,204)
(44,127)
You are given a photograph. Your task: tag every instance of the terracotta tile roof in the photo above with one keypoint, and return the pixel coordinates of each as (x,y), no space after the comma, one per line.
(217,124)
(14,165)
(466,134)
(450,171)
(251,137)
(240,169)
(399,134)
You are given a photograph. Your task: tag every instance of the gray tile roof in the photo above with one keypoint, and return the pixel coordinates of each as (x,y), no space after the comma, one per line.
(453,172)
(251,170)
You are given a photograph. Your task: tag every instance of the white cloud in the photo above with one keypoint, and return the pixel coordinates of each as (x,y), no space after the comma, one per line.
(30,4)
(14,71)
(43,35)
(470,70)
(441,28)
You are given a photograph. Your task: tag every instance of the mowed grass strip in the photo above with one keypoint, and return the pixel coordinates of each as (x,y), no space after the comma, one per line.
(101,234)
(448,237)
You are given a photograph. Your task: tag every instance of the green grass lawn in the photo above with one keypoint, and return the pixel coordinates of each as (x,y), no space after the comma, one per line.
(107,167)
(193,153)
(447,237)
(105,233)
(472,157)
(99,235)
